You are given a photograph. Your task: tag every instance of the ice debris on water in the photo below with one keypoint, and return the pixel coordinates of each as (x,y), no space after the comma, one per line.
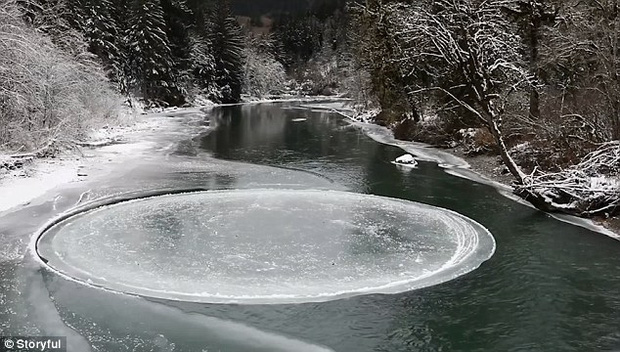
(406,159)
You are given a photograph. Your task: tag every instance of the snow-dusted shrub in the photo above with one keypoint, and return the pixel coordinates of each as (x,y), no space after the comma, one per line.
(264,75)
(46,95)
(476,140)
(322,75)
(356,84)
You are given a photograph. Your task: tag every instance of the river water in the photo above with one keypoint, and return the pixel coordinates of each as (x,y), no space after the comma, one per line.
(550,286)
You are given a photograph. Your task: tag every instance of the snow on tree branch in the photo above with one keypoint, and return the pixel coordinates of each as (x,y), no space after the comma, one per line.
(589,188)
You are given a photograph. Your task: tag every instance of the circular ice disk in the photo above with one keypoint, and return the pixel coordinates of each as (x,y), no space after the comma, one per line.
(265,246)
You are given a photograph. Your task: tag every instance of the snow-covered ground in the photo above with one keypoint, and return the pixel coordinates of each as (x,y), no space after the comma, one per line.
(306,100)
(104,148)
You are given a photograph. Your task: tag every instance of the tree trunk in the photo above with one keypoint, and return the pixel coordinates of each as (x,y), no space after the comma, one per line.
(534,103)
(494,127)
(534,67)
(615,118)
(493,122)
(613,87)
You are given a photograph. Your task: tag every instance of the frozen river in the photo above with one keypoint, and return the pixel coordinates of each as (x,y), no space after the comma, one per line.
(265,246)
(287,229)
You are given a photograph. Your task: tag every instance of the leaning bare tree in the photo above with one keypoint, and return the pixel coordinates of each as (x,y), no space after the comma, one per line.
(471,58)
(474,45)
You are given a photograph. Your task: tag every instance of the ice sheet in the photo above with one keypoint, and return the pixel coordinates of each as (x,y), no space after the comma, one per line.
(265,246)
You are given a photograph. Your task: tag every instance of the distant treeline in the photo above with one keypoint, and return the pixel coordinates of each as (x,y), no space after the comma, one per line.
(322,8)
(169,51)
(262,7)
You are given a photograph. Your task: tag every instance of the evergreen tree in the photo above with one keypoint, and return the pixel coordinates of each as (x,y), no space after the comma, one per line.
(199,18)
(95,19)
(151,63)
(202,61)
(378,55)
(178,18)
(300,36)
(202,64)
(227,44)
(56,19)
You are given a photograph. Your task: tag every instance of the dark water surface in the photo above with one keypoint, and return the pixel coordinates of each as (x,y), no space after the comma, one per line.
(549,287)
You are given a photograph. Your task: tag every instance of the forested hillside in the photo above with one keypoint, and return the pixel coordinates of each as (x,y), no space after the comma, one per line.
(314,46)
(261,7)
(64,64)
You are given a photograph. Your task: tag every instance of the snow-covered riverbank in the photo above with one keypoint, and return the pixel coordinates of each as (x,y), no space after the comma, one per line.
(103,149)
(483,169)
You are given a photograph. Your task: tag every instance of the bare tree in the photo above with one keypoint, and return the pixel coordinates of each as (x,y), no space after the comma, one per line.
(532,16)
(581,60)
(606,30)
(475,46)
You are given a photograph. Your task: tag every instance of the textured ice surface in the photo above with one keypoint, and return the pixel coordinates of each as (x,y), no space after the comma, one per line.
(265,246)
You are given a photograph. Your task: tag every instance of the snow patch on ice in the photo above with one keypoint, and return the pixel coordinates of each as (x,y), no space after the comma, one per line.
(406,161)
(20,188)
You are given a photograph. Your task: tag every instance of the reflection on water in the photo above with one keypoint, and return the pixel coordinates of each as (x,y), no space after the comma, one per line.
(270,135)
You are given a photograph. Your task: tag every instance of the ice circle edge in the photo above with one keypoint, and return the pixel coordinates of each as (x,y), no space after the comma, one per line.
(481,244)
